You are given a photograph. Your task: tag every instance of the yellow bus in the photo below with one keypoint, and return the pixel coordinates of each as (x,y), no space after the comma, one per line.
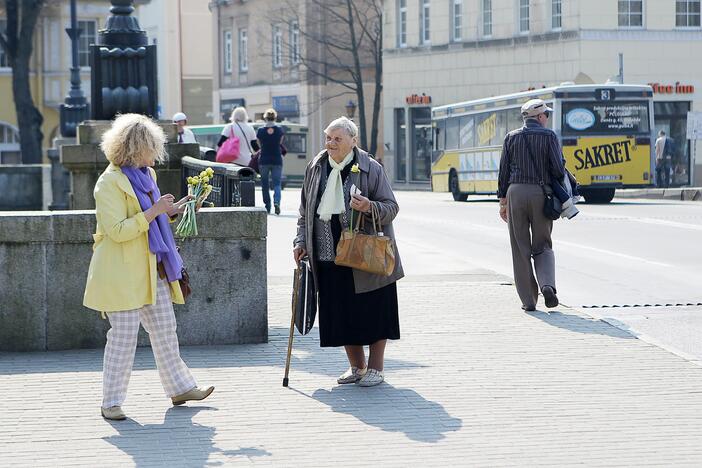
(606,132)
(295,141)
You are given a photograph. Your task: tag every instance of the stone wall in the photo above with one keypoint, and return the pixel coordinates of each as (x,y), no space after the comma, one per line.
(44,258)
(24,187)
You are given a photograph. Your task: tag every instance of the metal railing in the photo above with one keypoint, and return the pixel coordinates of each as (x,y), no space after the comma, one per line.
(232,185)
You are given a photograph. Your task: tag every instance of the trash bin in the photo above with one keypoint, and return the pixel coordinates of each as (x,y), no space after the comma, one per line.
(241,183)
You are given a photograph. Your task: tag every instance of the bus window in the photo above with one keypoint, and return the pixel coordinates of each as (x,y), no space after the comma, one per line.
(452,133)
(440,135)
(514,119)
(296,143)
(500,128)
(467,132)
(608,118)
(486,125)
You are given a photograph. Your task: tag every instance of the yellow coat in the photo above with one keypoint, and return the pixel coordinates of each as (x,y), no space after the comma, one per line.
(122,274)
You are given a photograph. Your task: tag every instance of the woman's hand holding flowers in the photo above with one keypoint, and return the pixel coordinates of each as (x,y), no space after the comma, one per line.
(179,207)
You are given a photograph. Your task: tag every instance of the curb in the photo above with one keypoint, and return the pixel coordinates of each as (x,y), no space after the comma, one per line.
(680,194)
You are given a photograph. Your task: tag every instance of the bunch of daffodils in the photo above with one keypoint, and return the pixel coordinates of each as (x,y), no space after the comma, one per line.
(199,189)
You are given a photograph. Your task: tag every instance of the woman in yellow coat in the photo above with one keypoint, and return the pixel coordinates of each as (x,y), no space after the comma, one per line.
(135,268)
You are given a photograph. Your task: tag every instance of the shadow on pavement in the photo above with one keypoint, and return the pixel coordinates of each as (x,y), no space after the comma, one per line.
(178,441)
(579,324)
(391,409)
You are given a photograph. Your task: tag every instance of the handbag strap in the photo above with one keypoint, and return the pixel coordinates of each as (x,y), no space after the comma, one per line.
(533,162)
(245,138)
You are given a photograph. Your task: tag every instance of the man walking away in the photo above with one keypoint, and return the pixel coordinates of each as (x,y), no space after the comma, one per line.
(531,155)
(664,159)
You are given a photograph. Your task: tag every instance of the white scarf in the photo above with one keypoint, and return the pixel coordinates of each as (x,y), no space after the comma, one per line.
(333,197)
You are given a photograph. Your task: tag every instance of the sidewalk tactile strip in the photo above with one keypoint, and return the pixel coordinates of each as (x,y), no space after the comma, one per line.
(614,306)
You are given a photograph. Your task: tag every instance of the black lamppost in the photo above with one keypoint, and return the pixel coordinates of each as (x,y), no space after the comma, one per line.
(75,108)
(123,67)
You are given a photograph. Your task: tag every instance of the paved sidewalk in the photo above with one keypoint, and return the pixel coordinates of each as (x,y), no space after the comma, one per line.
(677,193)
(473,382)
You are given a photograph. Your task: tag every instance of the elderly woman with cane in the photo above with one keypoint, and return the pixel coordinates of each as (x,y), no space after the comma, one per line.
(356,308)
(135,269)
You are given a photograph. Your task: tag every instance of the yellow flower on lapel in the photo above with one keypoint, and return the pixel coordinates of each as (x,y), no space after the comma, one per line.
(355,168)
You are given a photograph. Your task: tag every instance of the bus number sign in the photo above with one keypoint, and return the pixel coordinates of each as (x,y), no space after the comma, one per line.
(604,94)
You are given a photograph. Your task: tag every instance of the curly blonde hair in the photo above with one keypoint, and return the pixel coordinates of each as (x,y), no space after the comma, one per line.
(270,115)
(132,140)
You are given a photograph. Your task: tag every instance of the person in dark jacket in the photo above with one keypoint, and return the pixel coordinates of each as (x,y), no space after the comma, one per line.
(270,138)
(531,155)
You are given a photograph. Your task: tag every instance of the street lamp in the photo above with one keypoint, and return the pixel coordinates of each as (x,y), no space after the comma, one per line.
(75,108)
(350,109)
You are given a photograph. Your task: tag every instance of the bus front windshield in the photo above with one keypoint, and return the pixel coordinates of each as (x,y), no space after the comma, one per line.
(605,118)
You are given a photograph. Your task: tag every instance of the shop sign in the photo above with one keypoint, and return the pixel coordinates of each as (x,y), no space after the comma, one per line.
(417,99)
(286,106)
(677,88)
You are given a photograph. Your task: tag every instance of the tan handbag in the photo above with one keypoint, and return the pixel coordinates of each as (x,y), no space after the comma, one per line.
(372,253)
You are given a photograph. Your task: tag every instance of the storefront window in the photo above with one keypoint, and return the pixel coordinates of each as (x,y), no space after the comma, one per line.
(671,117)
(421,143)
(400,148)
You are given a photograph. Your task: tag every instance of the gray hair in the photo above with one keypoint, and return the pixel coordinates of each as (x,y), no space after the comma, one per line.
(343,123)
(239,115)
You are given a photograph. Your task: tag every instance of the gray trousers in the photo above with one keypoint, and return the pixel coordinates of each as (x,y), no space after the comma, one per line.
(530,237)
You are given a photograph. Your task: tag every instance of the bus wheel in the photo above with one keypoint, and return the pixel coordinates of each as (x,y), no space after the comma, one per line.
(600,195)
(455,189)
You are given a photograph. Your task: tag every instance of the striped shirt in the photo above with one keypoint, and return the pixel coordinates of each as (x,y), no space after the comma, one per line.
(515,164)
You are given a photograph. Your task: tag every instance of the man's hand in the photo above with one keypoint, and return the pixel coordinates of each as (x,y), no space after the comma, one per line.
(503,209)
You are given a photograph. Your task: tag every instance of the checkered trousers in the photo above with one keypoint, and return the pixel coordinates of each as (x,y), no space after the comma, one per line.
(160,323)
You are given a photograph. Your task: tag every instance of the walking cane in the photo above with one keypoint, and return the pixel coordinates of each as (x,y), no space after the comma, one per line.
(292,331)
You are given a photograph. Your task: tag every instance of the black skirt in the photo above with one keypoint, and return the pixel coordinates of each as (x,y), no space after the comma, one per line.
(347,318)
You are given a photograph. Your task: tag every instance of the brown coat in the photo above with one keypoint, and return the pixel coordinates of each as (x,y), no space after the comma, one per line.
(375,185)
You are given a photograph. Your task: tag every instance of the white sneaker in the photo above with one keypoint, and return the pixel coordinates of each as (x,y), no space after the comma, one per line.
(372,378)
(352,375)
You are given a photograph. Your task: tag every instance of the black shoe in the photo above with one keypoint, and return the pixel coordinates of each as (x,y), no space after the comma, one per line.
(529,308)
(268,209)
(277,209)
(550,296)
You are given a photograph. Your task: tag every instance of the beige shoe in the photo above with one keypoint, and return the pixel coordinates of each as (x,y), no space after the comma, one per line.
(114,413)
(196,394)
(352,375)
(372,378)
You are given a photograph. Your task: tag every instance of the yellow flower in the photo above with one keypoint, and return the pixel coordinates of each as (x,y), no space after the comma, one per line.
(355,168)
(205,180)
(210,171)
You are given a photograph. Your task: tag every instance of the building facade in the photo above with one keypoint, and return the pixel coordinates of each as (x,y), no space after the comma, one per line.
(49,69)
(439,52)
(263,51)
(180,30)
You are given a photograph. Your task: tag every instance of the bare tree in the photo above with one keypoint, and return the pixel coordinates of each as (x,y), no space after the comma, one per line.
(343,45)
(17,42)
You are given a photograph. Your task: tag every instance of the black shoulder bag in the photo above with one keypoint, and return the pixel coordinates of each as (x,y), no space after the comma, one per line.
(552,205)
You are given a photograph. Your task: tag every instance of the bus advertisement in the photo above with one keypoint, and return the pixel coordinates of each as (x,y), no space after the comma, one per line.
(605,132)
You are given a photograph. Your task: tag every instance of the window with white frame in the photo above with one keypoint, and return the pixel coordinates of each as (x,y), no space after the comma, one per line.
(687,13)
(425,22)
(556,14)
(88,35)
(630,13)
(523,16)
(243,50)
(227,50)
(295,43)
(487,18)
(9,144)
(457,20)
(4,62)
(277,46)
(401,23)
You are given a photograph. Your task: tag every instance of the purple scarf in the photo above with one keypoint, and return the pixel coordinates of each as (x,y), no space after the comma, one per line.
(161,241)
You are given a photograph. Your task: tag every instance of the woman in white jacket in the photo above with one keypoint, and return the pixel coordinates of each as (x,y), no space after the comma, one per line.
(242,129)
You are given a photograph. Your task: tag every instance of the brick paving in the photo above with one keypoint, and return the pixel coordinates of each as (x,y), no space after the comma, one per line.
(474,381)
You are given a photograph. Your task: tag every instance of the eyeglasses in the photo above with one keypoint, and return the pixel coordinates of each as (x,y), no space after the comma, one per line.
(547,114)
